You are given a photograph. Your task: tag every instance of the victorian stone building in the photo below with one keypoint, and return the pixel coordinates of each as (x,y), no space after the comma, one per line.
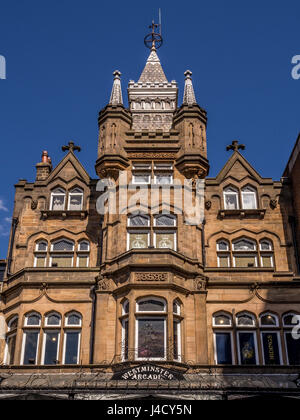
(138,302)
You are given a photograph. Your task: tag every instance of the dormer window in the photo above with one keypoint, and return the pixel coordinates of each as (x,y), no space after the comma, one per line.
(249,199)
(231,198)
(58,199)
(75,199)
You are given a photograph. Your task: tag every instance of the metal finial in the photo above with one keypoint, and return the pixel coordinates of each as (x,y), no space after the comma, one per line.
(154,40)
(71,147)
(235,146)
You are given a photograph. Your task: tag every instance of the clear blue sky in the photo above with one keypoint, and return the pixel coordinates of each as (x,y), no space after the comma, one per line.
(61,54)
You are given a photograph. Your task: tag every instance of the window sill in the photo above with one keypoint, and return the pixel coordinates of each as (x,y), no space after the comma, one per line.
(242,213)
(64,214)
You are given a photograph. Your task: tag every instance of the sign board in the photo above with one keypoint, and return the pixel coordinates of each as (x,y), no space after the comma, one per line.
(148,372)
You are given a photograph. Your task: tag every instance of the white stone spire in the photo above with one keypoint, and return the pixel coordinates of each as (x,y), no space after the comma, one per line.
(153,72)
(189,94)
(116,93)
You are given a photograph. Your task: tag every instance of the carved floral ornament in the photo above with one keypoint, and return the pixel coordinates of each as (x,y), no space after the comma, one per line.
(151,277)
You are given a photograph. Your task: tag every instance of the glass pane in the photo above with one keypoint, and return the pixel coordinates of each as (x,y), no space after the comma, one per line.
(293,349)
(267,261)
(125,339)
(249,201)
(165,221)
(222,246)
(11,348)
(165,240)
(247,348)
(223,261)
(58,202)
(138,240)
(243,261)
(231,201)
(74,319)
(288,320)
(271,348)
(33,320)
(84,246)
(244,245)
(151,338)
(13,324)
(176,340)
(151,305)
(42,246)
(63,246)
(176,308)
(51,348)
(245,320)
(138,221)
(268,320)
(83,261)
(265,246)
(75,202)
(53,320)
(31,341)
(71,350)
(62,261)
(126,308)
(164,179)
(141,179)
(40,261)
(223,344)
(222,320)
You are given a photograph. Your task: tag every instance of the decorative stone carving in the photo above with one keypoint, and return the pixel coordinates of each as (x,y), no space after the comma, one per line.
(208,205)
(200,284)
(151,276)
(273,204)
(34,204)
(150,155)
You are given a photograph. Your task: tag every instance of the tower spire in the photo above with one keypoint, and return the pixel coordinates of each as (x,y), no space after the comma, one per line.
(116,93)
(189,94)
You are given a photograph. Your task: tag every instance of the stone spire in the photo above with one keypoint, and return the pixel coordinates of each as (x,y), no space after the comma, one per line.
(116,93)
(189,94)
(153,72)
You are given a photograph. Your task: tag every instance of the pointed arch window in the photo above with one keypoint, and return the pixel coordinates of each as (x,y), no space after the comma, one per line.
(245,253)
(75,199)
(83,256)
(72,338)
(58,199)
(249,198)
(223,254)
(231,198)
(138,232)
(222,324)
(62,253)
(247,339)
(165,231)
(31,338)
(10,341)
(177,321)
(125,330)
(40,256)
(266,253)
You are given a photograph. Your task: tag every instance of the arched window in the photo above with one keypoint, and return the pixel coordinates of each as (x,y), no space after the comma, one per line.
(231,198)
(62,253)
(266,253)
(165,231)
(40,256)
(222,323)
(10,341)
(223,253)
(249,198)
(51,339)
(245,253)
(270,339)
(31,337)
(58,199)
(151,329)
(125,330)
(83,256)
(291,324)
(75,199)
(177,330)
(72,336)
(138,232)
(247,339)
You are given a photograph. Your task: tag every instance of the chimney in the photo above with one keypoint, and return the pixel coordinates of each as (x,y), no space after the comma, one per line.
(44,168)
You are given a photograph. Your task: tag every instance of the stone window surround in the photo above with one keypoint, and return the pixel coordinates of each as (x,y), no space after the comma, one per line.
(280,328)
(63,328)
(67,194)
(238,193)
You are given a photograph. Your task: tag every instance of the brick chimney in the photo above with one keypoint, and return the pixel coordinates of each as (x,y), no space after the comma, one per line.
(44,168)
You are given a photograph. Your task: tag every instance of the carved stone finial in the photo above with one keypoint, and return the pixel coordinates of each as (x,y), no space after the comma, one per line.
(189,97)
(71,147)
(235,146)
(116,97)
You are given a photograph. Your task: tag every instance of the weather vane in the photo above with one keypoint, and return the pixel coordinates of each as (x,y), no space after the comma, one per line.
(154,40)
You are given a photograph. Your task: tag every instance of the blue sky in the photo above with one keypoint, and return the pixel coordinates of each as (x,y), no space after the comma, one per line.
(60,57)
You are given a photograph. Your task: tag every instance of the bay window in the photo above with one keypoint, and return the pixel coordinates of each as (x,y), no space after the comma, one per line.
(11,337)
(222,324)
(245,254)
(31,339)
(62,253)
